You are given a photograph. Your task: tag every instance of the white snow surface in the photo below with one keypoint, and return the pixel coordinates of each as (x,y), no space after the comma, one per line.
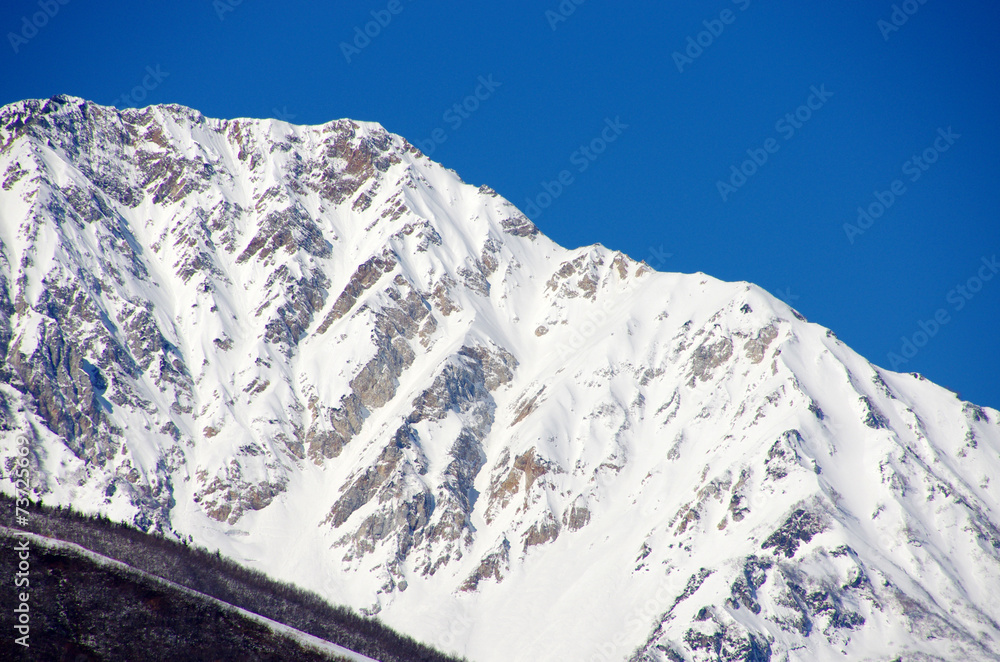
(684,420)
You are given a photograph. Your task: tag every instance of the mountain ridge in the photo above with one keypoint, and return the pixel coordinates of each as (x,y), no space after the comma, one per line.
(252,332)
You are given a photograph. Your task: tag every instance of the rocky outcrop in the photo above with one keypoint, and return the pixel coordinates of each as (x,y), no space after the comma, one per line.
(525,471)
(437,523)
(707,357)
(576,516)
(756,347)
(493,566)
(544,531)
(799,528)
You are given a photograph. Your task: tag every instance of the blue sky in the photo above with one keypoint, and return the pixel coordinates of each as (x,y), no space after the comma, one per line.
(837,103)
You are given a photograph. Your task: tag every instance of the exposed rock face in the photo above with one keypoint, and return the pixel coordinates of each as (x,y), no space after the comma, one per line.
(800,527)
(98,336)
(493,566)
(437,524)
(709,356)
(576,516)
(317,350)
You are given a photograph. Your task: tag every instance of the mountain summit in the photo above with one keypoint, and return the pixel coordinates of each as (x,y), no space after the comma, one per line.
(322,353)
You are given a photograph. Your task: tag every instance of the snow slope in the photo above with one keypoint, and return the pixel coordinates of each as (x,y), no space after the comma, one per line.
(324,354)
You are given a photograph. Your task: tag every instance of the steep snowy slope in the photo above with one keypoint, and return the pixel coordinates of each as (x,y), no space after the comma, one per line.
(326,355)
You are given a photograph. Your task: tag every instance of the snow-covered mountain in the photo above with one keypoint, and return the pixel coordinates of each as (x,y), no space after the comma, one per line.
(326,355)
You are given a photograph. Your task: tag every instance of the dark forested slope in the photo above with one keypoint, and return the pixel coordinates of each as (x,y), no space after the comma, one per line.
(85,610)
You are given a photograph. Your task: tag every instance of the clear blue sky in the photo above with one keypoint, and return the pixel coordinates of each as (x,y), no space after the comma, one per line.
(657,183)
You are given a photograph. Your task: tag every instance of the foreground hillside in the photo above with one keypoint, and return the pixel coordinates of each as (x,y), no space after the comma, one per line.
(103,591)
(84,610)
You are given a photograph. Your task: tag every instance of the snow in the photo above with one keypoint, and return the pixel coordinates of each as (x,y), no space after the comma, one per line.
(629,429)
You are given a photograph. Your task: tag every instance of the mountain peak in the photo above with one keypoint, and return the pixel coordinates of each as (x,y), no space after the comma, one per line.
(251,333)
